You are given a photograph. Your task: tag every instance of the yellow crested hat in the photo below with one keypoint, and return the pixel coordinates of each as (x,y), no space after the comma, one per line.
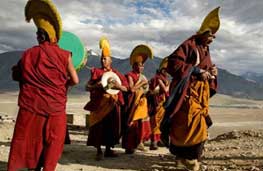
(45,16)
(105,47)
(164,63)
(211,22)
(140,54)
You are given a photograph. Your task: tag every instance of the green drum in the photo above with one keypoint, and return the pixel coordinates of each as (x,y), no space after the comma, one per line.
(72,43)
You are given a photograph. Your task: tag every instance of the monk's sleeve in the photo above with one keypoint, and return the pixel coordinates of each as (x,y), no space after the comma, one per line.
(16,72)
(177,65)
(124,81)
(94,76)
(17,69)
(213,86)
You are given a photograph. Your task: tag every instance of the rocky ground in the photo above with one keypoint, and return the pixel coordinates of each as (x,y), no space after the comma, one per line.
(232,151)
(236,142)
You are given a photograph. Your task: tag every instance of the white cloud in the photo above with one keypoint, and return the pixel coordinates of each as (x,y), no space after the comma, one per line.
(162,24)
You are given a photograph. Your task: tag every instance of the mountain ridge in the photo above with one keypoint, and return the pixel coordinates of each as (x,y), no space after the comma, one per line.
(229,84)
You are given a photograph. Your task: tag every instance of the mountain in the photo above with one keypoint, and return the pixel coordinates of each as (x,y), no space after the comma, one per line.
(238,86)
(229,83)
(253,76)
(7,60)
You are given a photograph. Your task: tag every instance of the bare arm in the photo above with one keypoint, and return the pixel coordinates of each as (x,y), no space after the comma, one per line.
(135,87)
(163,86)
(73,76)
(118,86)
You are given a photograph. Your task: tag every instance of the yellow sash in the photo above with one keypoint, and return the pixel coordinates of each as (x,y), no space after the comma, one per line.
(188,125)
(140,104)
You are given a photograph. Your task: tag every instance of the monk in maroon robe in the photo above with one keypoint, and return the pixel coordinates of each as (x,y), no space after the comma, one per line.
(43,72)
(158,93)
(136,123)
(194,81)
(105,111)
(193,72)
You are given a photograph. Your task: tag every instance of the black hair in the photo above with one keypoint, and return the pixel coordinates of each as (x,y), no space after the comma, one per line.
(42,35)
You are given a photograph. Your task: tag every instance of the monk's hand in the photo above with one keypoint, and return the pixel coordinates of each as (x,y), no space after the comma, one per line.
(116,85)
(205,75)
(144,82)
(213,70)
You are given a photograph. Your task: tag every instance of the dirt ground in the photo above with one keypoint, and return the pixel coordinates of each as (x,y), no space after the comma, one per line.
(235,144)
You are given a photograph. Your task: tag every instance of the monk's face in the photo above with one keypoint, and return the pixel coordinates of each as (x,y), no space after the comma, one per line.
(106,62)
(138,67)
(208,38)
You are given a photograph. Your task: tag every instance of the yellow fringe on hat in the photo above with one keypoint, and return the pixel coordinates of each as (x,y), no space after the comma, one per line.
(211,22)
(140,54)
(45,16)
(105,47)
(164,63)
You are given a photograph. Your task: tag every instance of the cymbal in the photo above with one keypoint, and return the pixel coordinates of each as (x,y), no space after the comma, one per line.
(104,81)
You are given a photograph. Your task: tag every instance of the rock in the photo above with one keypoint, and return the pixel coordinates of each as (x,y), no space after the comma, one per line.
(204,167)
(254,168)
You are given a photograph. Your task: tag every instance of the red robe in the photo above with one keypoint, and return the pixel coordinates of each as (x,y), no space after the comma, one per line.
(134,131)
(41,121)
(106,130)
(155,105)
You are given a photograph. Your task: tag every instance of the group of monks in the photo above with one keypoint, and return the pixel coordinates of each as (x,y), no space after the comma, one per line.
(129,107)
(110,118)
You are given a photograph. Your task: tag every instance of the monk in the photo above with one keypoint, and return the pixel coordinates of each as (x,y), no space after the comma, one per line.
(194,82)
(43,73)
(158,93)
(105,113)
(136,122)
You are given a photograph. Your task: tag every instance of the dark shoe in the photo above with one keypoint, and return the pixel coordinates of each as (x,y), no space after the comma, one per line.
(99,156)
(160,144)
(129,151)
(110,153)
(165,140)
(153,146)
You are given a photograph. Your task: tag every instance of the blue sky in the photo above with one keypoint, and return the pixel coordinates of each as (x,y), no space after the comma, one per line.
(162,24)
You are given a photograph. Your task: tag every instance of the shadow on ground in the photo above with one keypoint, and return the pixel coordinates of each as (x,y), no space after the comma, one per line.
(84,155)
(3,166)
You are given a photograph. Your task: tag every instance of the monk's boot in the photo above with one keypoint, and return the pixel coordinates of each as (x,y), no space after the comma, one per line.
(110,153)
(180,165)
(129,151)
(160,144)
(99,156)
(192,165)
(153,146)
(141,147)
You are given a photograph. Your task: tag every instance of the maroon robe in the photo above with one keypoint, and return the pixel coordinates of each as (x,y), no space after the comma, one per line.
(181,63)
(154,102)
(136,131)
(182,60)
(107,131)
(41,122)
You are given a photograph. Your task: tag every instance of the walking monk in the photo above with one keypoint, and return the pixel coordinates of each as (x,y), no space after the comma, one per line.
(104,104)
(136,120)
(194,82)
(158,93)
(43,73)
